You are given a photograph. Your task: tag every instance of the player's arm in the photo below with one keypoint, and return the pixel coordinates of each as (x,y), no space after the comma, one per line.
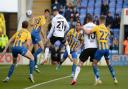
(89,31)
(67,28)
(43,34)
(51,30)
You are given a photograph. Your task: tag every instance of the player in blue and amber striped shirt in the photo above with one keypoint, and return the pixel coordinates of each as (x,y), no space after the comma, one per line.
(20,38)
(102,34)
(74,39)
(37,25)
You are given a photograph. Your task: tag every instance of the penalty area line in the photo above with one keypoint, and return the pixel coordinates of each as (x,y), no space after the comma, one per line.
(53,80)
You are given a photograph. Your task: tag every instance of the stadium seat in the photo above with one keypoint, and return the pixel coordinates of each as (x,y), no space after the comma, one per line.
(84,3)
(82,11)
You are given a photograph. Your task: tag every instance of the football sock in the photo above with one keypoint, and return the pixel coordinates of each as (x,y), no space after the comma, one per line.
(112,71)
(96,71)
(46,53)
(68,49)
(11,70)
(77,72)
(31,66)
(73,68)
(38,51)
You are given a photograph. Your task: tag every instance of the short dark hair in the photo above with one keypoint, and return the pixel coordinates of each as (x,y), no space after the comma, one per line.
(102,18)
(25,24)
(46,10)
(89,17)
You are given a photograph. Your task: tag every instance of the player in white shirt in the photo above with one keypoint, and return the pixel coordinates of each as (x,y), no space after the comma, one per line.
(90,47)
(58,31)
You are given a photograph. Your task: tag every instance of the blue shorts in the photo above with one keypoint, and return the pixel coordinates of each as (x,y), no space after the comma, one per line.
(73,53)
(19,50)
(100,53)
(35,35)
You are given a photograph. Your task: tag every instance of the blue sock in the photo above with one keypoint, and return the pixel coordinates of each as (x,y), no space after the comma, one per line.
(38,51)
(73,68)
(112,71)
(11,70)
(31,66)
(96,71)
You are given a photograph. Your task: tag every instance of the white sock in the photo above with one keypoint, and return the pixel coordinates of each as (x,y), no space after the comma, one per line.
(96,78)
(77,72)
(7,78)
(31,75)
(36,66)
(68,49)
(46,53)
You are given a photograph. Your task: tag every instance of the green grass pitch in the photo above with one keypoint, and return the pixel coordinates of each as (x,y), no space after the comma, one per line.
(19,80)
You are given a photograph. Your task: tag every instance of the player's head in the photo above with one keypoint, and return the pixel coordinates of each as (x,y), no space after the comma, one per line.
(89,18)
(25,24)
(102,19)
(55,10)
(46,12)
(78,24)
(29,13)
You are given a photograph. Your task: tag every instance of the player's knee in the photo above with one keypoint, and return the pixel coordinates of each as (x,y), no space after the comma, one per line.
(74,61)
(14,61)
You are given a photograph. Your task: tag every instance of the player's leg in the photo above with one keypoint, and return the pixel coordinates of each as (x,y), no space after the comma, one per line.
(110,67)
(36,40)
(68,50)
(83,57)
(97,57)
(63,59)
(46,53)
(11,70)
(40,47)
(29,55)
(35,54)
(74,57)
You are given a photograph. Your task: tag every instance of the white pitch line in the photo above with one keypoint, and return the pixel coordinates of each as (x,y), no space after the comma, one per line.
(46,82)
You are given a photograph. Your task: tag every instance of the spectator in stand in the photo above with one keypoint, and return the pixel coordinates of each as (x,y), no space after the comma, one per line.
(78,3)
(109,20)
(72,23)
(85,19)
(126,46)
(115,44)
(104,8)
(76,14)
(61,10)
(62,2)
(70,3)
(68,13)
(96,20)
(56,3)
(116,22)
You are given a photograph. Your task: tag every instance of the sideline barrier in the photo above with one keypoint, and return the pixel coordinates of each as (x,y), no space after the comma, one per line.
(116,60)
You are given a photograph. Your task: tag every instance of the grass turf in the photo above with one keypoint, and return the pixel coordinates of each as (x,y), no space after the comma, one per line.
(19,79)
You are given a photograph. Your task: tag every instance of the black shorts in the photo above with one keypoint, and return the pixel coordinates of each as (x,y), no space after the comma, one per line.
(55,55)
(89,52)
(53,39)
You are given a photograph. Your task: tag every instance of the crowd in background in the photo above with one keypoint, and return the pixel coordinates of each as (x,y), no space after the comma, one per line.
(70,9)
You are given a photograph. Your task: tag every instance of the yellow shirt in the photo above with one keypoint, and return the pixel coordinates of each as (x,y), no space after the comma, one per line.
(74,38)
(102,34)
(38,22)
(21,37)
